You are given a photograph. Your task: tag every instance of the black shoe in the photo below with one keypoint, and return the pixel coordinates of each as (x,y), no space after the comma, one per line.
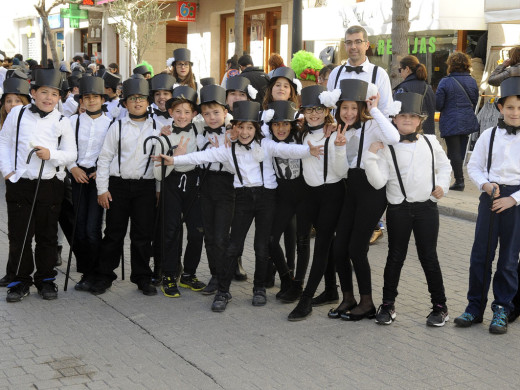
(285,285)
(259,296)
(157,277)
(240,273)
(191,282)
(48,289)
(169,287)
(465,320)
(458,185)
(294,293)
(146,287)
(17,291)
(100,287)
(85,284)
(220,302)
(385,314)
(59,260)
(211,288)
(438,316)
(5,281)
(349,316)
(330,295)
(337,312)
(302,310)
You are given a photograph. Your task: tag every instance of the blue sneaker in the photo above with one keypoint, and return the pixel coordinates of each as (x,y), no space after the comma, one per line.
(465,320)
(499,321)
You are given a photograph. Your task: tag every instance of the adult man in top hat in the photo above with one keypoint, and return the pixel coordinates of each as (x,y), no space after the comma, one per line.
(256,76)
(39,127)
(126,189)
(359,67)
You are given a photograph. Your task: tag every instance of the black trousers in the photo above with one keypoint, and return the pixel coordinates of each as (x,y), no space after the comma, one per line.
(363,206)
(322,205)
(132,200)
(44,228)
(217,203)
(256,203)
(456,145)
(290,202)
(87,242)
(182,203)
(423,219)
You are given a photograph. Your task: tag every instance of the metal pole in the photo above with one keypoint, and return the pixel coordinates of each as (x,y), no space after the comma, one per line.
(297,27)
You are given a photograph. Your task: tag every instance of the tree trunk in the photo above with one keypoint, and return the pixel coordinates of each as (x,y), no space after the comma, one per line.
(44,14)
(400,27)
(239,27)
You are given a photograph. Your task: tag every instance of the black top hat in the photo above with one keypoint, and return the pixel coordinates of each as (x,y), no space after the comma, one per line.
(213,93)
(135,87)
(353,90)
(73,81)
(411,103)
(16,73)
(141,70)
(284,111)
(16,86)
(237,83)
(510,87)
(48,78)
(91,86)
(286,72)
(162,82)
(65,86)
(111,80)
(311,96)
(100,72)
(76,73)
(182,92)
(207,81)
(246,111)
(182,54)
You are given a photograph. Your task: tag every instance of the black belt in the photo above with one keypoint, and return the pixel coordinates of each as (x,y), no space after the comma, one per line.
(88,171)
(254,189)
(218,173)
(140,180)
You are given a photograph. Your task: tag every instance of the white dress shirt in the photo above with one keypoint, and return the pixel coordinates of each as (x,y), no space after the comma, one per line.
(203,143)
(505,167)
(36,131)
(115,109)
(249,160)
(174,140)
(133,159)
(378,129)
(70,107)
(382,80)
(313,169)
(415,165)
(91,135)
(161,121)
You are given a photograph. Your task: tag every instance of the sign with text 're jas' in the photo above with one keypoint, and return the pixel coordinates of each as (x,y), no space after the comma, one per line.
(186,11)
(419,45)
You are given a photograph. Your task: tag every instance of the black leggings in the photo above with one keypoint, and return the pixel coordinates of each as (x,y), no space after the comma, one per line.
(323,212)
(361,211)
(456,145)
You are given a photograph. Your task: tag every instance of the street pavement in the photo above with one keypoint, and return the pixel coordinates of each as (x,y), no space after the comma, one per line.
(123,339)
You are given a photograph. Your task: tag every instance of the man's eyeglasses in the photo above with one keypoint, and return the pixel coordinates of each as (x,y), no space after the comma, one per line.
(137,99)
(357,42)
(309,110)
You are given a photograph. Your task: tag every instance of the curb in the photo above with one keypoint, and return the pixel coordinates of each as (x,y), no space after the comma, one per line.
(457,213)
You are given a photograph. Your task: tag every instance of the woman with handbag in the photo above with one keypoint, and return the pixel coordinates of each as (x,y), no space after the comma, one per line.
(456,98)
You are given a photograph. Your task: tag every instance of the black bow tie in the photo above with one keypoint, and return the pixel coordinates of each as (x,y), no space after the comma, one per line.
(510,129)
(164,114)
(357,69)
(132,116)
(209,130)
(178,130)
(108,99)
(310,129)
(247,146)
(34,109)
(409,137)
(356,125)
(91,113)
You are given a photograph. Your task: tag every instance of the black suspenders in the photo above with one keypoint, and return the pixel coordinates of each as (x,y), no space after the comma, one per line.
(396,166)
(374,74)
(490,152)
(360,149)
(326,159)
(235,162)
(17,135)
(119,149)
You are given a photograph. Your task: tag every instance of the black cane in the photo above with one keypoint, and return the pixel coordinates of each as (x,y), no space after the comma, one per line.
(32,207)
(161,195)
(123,262)
(488,256)
(76,212)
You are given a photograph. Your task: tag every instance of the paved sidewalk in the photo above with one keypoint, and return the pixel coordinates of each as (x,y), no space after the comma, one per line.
(125,340)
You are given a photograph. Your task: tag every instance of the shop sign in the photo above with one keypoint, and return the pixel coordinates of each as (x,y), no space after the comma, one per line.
(94,30)
(419,45)
(88,2)
(186,11)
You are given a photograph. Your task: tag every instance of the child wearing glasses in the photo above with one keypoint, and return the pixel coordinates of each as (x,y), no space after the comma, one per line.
(126,189)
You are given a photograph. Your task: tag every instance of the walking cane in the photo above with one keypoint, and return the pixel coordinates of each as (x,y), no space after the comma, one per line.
(123,261)
(30,214)
(161,195)
(488,255)
(72,239)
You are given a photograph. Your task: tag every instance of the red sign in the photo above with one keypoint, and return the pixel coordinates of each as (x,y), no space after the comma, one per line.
(186,11)
(88,2)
